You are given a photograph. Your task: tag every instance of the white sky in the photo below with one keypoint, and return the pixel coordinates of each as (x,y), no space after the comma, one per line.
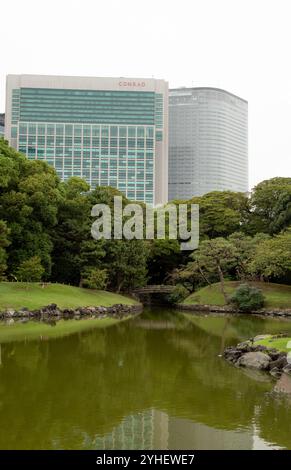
(243,46)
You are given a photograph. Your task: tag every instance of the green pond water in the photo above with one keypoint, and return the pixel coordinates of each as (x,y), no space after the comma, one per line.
(152,382)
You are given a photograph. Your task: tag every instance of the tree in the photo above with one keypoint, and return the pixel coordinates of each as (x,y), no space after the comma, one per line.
(4,242)
(30,270)
(245,247)
(72,230)
(272,257)
(164,256)
(94,278)
(126,264)
(29,198)
(221,213)
(247,298)
(217,255)
(179,293)
(270,206)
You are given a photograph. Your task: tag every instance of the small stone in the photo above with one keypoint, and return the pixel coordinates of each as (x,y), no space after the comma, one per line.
(10,313)
(276,372)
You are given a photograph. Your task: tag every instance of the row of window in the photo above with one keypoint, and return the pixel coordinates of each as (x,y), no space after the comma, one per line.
(87,142)
(88,130)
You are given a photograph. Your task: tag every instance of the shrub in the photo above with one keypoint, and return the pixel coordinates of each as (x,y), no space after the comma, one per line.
(30,270)
(179,293)
(247,298)
(94,278)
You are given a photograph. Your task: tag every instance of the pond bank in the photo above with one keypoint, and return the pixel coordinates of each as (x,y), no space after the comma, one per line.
(258,356)
(274,312)
(115,311)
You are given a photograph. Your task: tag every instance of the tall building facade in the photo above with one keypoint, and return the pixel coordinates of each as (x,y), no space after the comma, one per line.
(208,142)
(110,131)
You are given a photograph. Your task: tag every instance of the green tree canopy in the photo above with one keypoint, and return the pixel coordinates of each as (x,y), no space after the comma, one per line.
(30,270)
(270,206)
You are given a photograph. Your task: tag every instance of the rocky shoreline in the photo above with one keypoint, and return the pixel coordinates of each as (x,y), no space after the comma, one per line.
(53,311)
(275,312)
(259,357)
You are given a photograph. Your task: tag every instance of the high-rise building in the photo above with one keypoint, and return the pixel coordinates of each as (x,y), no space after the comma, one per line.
(208,142)
(110,131)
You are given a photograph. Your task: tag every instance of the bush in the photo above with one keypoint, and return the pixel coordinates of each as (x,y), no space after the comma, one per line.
(247,298)
(179,293)
(30,270)
(94,278)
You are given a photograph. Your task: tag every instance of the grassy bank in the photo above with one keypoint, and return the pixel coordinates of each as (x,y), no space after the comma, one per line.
(277,295)
(278,343)
(32,295)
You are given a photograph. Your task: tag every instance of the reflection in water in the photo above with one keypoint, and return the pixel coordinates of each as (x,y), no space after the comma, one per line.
(154,382)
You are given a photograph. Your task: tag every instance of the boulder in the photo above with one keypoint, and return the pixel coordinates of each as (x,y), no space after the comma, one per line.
(254,360)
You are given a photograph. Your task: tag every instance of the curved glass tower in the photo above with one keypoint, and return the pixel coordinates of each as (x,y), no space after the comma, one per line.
(208,142)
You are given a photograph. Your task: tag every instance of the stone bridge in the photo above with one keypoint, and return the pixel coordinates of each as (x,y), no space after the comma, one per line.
(154,289)
(153,293)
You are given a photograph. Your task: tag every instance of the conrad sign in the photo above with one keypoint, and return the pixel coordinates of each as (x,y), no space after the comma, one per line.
(131,84)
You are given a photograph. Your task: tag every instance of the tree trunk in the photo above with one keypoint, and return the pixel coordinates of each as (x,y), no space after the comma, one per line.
(119,285)
(203,276)
(222,287)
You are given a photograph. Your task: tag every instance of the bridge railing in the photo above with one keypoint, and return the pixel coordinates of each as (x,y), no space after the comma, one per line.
(154,289)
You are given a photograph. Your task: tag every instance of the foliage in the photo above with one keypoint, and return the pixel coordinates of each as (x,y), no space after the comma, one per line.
(241,237)
(30,270)
(247,298)
(178,295)
(164,256)
(272,257)
(221,213)
(215,255)
(126,263)
(4,242)
(94,278)
(270,206)
(29,198)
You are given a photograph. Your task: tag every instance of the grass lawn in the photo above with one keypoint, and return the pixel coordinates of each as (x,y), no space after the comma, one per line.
(277,295)
(32,295)
(20,331)
(282,344)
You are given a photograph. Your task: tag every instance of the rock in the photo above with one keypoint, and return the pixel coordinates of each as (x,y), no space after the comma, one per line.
(276,372)
(10,313)
(281,362)
(254,360)
(244,347)
(274,354)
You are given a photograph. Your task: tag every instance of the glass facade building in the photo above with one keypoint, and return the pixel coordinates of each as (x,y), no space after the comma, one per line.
(208,142)
(111,132)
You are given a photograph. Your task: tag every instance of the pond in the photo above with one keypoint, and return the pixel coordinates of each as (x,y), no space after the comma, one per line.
(153,382)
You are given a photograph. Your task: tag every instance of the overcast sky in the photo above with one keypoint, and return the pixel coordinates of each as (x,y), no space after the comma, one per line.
(242,46)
